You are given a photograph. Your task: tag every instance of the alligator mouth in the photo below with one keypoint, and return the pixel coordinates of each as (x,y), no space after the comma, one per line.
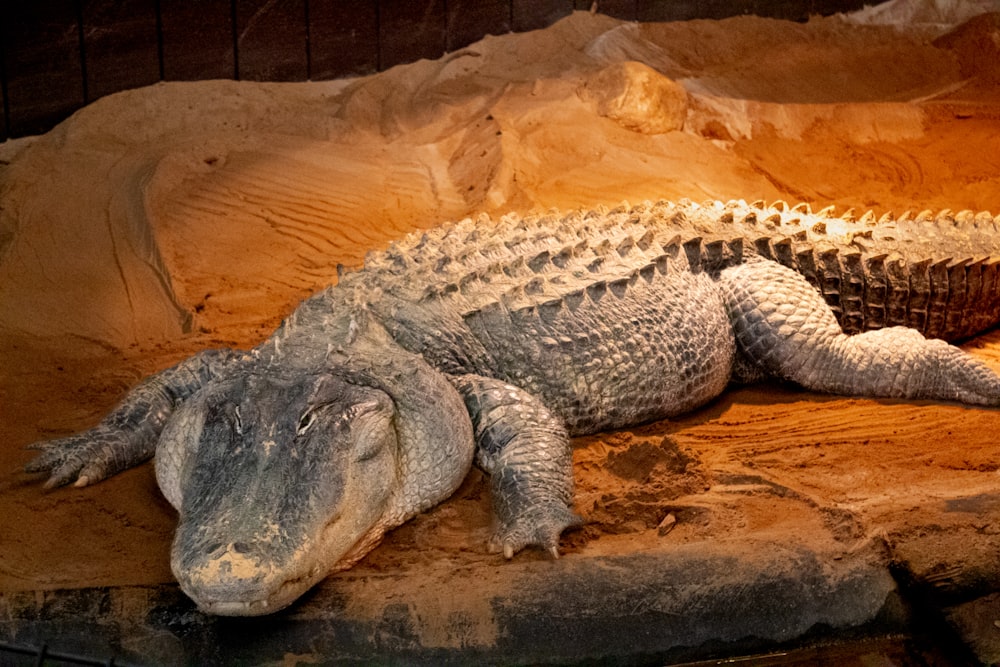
(276,600)
(252,608)
(267,598)
(292,588)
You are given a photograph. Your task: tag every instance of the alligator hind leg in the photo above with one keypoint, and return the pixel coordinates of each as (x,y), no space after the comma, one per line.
(128,435)
(525,451)
(784,328)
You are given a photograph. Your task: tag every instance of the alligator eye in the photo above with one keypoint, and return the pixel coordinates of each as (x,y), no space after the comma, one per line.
(237,420)
(305,422)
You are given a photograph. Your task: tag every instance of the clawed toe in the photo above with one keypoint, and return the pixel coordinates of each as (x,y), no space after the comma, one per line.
(51,455)
(80,459)
(63,474)
(541,527)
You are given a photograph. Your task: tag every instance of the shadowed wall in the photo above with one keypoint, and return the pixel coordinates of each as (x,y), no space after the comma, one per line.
(58,55)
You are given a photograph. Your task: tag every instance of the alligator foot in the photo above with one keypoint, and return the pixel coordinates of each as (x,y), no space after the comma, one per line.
(524,449)
(128,435)
(84,458)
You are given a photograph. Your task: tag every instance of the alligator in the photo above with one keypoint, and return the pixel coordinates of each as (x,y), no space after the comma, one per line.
(492,341)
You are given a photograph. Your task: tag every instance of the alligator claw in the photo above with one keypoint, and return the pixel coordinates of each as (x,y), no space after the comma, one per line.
(62,470)
(540,526)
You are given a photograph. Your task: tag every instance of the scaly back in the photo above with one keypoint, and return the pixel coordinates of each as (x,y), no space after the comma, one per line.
(937,273)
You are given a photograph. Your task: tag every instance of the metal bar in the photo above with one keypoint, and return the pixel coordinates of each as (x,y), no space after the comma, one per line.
(43,655)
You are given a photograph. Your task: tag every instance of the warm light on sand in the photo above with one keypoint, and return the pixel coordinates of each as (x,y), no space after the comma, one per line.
(174,218)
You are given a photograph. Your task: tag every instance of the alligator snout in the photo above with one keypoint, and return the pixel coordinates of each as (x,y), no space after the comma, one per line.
(233,579)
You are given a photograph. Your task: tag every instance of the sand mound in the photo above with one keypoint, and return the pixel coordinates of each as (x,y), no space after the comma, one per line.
(160,211)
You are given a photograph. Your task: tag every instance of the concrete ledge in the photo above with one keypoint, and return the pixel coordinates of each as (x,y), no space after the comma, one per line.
(978,624)
(691,602)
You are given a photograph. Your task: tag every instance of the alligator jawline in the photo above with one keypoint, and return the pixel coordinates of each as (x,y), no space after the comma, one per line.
(292,588)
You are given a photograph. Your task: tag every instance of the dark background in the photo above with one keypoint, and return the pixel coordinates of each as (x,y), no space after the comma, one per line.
(58,55)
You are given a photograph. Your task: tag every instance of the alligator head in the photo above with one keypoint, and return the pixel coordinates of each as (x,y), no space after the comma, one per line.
(281,476)
(277,479)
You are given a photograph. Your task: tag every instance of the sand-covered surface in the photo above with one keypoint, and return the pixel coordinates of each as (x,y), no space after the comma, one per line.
(169,219)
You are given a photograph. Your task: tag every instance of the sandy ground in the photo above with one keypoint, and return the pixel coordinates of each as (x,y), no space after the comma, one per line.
(165,220)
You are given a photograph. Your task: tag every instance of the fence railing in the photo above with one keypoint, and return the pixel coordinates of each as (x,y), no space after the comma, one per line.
(14,655)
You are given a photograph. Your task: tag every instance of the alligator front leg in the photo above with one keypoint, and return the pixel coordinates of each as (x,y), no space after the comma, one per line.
(525,450)
(784,328)
(128,435)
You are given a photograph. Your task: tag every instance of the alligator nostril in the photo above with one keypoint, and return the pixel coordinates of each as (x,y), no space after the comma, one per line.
(240,547)
(214,548)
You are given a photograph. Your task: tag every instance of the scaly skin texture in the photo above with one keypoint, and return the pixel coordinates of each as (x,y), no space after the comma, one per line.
(495,341)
